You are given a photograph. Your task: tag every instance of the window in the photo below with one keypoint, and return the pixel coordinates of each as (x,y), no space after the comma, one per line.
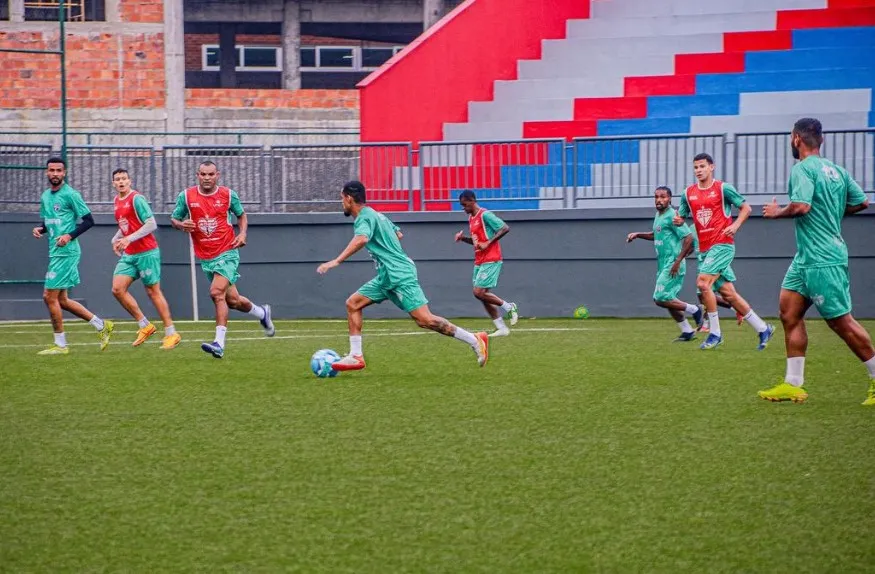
(376,57)
(74,10)
(308,57)
(247,58)
(337,58)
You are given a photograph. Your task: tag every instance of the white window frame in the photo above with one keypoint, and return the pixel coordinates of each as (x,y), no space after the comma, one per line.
(241,48)
(356,58)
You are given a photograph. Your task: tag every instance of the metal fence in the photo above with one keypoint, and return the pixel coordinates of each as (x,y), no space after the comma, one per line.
(522,174)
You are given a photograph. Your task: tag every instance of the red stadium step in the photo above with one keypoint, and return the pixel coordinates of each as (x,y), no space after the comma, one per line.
(829,18)
(756,41)
(594,109)
(715,63)
(567,130)
(537,153)
(851,3)
(660,85)
(454,177)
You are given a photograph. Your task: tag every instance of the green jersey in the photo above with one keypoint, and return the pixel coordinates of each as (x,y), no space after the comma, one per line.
(394,267)
(828,189)
(60,210)
(668,238)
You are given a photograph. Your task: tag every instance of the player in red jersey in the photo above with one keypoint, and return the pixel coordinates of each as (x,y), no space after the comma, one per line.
(710,202)
(204,211)
(135,243)
(486,231)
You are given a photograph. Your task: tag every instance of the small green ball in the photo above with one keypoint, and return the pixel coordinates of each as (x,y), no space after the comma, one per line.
(581,312)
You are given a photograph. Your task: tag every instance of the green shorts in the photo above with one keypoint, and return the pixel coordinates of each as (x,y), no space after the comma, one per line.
(668,287)
(829,288)
(408,296)
(486,275)
(63,272)
(718,261)
(225,265)
(145,266)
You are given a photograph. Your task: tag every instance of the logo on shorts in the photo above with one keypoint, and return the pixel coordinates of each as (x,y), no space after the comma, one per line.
(709,260)
(481,275)
(207,225)
(703,216)
(51,275)
(660,288)
(123,225)
(818,300)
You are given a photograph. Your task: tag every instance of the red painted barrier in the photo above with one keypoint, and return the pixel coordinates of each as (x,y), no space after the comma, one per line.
(457,61)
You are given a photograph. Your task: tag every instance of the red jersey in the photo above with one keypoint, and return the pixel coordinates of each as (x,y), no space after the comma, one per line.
(484,225)
(711,209)
(129,221)
(213,234)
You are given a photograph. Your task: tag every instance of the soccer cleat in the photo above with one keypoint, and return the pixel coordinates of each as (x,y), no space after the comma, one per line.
(765,337)
(214,348)
(870,399)
(713,341)
(349,363)
(267,323)
(482,349)
(105,334)
(55,350)
(170,341)
(784,392)
(513,314)
(685,337)
(500,332)
(699,318)
(144,334)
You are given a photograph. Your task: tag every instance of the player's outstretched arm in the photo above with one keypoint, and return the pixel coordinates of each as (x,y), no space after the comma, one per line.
(243,224)
(352,248)
(81,227)
(646,235)
(774,211)
(460,236)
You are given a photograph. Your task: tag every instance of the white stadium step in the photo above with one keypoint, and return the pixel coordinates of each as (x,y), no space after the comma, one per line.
(671,25)
(652,8)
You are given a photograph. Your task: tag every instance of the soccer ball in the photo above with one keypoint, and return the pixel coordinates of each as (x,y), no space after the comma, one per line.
(320,363)
(581,312)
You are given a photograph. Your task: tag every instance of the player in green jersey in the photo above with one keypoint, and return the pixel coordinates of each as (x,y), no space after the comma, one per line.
(396,280)
(673,244)
(61,207)
(821,194)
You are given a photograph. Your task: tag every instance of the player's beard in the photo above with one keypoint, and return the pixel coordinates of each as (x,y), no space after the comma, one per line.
(56,180)
(347,212)
(794,150)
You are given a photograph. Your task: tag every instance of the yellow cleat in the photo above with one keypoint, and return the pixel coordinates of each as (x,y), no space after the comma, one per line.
(870,400)
(144,334)
(105,334)
(784,392)
(55,350)
(170,341)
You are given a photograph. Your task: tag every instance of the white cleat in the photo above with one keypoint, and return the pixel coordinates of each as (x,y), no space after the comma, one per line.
(500,332)
(514,314)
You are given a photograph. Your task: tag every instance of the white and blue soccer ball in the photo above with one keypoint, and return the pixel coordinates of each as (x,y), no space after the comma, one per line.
(321,361)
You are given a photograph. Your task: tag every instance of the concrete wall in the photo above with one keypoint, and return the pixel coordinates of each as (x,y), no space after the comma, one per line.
(555,261)
(311,11)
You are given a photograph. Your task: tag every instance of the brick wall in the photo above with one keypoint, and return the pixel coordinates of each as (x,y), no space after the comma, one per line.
(231,98)
(104,70)
(142,11)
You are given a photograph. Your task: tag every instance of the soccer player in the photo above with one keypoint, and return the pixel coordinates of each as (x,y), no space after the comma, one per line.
(821,193)
(135,243)
(487,229)
(204,211)
(672,244)
(61,207)
(710,202)
(396,280)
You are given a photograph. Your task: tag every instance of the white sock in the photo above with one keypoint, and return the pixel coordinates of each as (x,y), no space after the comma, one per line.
(714,323)
(506,306)
(796,370)
(257,311)
(685,326)
(870,364)
(97,323)
(355,345)
(463,335)
(171,330)
(60,339)
(691,309)
(755,321)
(143,323)
(220,335)
(499,323)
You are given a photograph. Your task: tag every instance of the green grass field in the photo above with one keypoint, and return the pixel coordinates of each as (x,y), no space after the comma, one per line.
(583,446)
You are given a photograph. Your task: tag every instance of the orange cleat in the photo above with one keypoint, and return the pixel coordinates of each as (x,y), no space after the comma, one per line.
(349,363)
(144,334)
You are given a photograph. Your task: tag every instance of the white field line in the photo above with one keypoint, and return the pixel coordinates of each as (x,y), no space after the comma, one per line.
(308,336)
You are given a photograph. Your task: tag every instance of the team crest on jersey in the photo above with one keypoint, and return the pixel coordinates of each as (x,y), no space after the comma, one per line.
(658,228)
(703,216)
(57,207)
(124,225)
(207,225)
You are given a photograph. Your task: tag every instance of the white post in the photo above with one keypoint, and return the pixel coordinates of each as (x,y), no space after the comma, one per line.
(193,278)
